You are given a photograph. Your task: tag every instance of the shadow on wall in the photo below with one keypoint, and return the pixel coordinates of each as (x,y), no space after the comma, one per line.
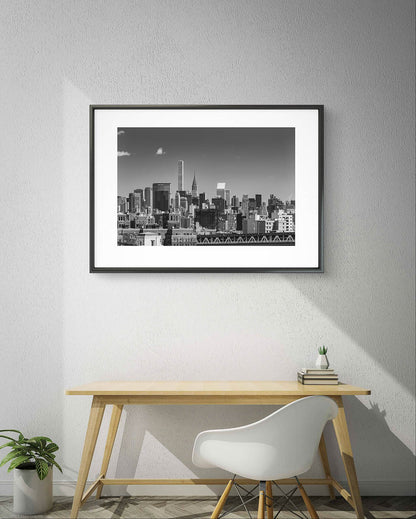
(175,428)
(367,289)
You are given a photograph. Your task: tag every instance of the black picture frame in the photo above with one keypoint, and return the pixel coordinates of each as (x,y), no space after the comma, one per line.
(98,267)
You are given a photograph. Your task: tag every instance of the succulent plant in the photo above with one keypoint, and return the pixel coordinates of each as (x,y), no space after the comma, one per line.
(323,350)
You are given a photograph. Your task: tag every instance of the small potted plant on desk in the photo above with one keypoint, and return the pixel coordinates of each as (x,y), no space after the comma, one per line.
(322,361)
(32,460)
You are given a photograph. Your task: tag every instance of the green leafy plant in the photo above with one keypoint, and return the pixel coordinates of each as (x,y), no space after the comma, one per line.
(38,451)
(323,350)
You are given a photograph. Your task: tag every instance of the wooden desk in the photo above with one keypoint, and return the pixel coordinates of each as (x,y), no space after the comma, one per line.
(119,394)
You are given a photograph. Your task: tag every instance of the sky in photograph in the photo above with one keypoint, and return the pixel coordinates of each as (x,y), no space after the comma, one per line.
(249,160)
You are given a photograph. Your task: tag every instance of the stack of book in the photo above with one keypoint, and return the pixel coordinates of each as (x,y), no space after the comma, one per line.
(312,376)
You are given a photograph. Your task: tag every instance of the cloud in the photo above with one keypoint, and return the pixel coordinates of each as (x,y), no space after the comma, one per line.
(160,151)
(120,132)
(123,154)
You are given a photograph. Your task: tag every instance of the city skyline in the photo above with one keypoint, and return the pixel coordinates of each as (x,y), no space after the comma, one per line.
(245,198)
(249,160)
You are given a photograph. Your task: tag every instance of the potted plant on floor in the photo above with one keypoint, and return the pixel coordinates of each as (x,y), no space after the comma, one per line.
(32,460)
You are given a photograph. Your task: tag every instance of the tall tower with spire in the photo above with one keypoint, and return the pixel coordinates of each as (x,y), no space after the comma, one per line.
(194,188)
(181,175)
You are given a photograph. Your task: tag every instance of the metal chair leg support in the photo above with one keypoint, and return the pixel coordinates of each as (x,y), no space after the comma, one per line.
(288,499)
(243,502)
(266,501)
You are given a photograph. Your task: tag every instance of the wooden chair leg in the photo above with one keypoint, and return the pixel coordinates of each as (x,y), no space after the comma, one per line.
(260,512)
(269,500)
(222,500)
(307,501)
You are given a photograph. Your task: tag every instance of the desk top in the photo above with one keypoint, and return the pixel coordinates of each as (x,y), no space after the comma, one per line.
(213,388)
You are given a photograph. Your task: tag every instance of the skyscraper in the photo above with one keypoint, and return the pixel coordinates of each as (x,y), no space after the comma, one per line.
(161,196)
(177,200)
(244,205)
(235,201)
(221,190)
(132,203)
(138,195)
(194,187)
(219,204)
(148,196)
(251,204)
(181,175)
(228,197)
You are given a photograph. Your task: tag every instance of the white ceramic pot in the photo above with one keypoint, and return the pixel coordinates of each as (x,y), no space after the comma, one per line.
(30,494)
(322,362)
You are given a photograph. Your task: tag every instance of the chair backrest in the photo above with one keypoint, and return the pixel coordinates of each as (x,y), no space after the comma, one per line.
(280,445)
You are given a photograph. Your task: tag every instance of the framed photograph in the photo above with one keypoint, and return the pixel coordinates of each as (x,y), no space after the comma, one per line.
(206,188)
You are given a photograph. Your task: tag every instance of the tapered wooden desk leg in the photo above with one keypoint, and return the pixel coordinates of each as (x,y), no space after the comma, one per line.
(260,512)
(307,501)
(112,431)
(269,500)
(222,500)
(325,464)
(344,443)
(94,424)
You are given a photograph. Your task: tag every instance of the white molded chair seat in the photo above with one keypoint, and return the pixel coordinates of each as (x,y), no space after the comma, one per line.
(281,445)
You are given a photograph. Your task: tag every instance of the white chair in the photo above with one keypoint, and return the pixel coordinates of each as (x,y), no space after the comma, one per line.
(281,445)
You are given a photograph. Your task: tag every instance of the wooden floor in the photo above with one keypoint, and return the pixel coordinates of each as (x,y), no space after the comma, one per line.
(201,508)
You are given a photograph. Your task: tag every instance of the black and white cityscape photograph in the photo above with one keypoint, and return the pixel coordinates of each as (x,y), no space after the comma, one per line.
(206,186)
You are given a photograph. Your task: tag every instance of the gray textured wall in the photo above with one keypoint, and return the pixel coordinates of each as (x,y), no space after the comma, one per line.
(62,326)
